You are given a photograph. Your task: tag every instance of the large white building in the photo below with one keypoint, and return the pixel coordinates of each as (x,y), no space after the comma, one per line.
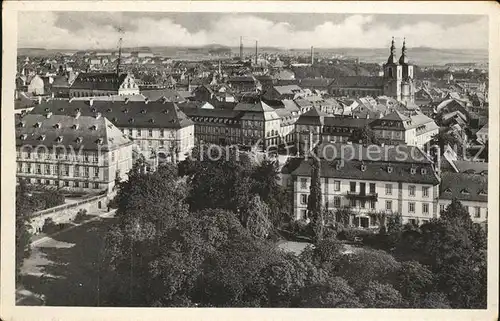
(71,152)
(369,180)
(160,130)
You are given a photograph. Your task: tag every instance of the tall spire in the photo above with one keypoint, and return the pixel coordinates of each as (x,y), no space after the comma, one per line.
(403,59)
(392,56)
(119,60)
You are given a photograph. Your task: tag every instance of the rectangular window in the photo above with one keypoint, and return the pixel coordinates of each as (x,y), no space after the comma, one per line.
(162,133)
(139,132)
(411,207)
(19,167)
(95,158)
(303,199)
(76,172)
(38,168)
(303,214)
(425,191)
(362,203)
(425,208)
(150,133)
(372,188)
(76,184)
(39,181)
(130,132)
(336,201)
(96,172)
(353,187)
(411,190)
(47,169)
(388,205)
(477,213)
(441,207)
(86,184)
(162,143)
(372,205)
(96,185)
(112,156)
(66,170)
(336,186)
(86,157)
(303,183)
(66,183)
(86,172)
(47,182)
(388,189)
(352,203)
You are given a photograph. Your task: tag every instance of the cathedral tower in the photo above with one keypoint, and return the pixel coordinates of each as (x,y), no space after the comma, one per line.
(407,82)
(392,75)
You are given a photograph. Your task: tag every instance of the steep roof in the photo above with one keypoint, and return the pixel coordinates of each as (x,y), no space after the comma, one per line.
(61,130)
(464,187)
(288,89)
(134,114)
(373,171)
(98,81)
(358,82)
(314,116)
(157,94)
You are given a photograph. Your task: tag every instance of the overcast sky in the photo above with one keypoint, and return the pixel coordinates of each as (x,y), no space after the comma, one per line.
(94,30)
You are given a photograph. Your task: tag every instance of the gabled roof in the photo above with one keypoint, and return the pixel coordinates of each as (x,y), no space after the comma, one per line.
(464,187)
(157,94)
(288,89)
(314,116)
(358,82)
(133,114)
(260,106)
(99,81)
(85,132)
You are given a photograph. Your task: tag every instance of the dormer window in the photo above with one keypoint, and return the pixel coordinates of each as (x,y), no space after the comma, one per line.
(483,192)
(338,165)
(38,125)
(79,140)
(93,127)
(57,126)
(389,169)
(23,137)
(42,137)
(131,120)
(21,124)
(413,170)
(465,191)
(100,141)
(59,139)
(109,110)
(448,190)
(423,171)
(75,126)
(94,110)
(125,110)
(363,167)
(151,120)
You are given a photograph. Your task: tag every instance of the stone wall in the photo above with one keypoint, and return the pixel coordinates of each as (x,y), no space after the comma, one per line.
(67,212)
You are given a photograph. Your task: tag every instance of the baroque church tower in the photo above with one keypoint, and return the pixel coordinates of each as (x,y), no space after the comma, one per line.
(398,76)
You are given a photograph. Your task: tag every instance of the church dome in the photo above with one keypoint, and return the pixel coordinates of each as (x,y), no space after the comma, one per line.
(403,60)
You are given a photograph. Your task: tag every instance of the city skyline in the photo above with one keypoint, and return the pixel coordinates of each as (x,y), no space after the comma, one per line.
(101,30)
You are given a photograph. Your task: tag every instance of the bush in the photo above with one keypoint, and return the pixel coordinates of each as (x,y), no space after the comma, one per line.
(351,233)
(81,215)
(48,225)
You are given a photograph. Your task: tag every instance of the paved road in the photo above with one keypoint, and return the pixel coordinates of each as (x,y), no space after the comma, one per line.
(64,268)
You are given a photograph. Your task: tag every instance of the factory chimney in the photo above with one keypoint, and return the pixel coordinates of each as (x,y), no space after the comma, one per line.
(256,52)
(241,48)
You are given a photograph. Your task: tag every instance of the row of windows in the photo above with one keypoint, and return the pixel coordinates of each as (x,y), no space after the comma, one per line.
(47,169)
(149,132)
(372,186)
(372,204)
(473,210)
(86,157)
(50,182)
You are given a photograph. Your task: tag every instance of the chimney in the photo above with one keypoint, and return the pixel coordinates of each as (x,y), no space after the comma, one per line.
(241,48)
(49,114)
(77,115)
(39,100)
(91,101)
(312,55)
(98,115)
(126,100)
(256,52)
(146,100)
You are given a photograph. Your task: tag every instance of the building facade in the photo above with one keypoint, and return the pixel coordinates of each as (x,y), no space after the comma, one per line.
(103,84)
(366,187)
(76,152)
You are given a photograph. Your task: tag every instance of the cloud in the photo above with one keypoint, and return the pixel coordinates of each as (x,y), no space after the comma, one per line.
(100,30)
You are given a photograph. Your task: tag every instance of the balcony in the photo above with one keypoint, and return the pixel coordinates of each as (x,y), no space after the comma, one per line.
(362,195)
